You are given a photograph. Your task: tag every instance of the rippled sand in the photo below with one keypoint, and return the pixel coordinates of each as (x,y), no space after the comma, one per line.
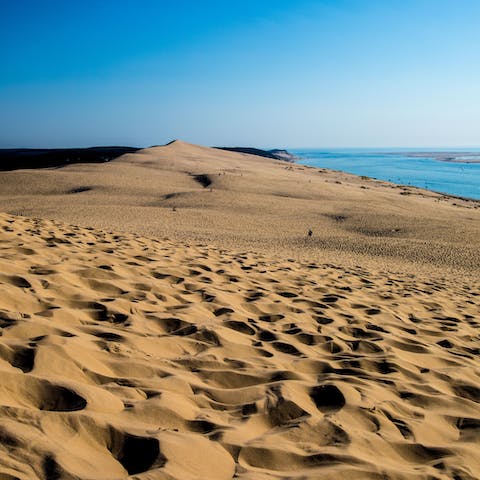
(160,358)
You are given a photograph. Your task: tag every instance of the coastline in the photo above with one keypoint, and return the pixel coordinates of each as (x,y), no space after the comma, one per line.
(363,164)
(453,157)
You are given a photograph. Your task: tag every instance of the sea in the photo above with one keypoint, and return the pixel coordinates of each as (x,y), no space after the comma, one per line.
(402,166)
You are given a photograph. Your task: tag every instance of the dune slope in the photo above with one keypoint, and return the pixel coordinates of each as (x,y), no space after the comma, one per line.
(233,200)
(122,356)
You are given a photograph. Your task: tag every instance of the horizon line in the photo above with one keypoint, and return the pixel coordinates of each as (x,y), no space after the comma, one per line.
(239,145)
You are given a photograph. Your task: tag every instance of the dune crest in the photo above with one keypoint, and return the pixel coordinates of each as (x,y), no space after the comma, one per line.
(123,355)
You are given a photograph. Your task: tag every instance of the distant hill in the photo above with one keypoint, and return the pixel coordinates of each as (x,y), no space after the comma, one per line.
(276,154)
(283,155)
(19,158)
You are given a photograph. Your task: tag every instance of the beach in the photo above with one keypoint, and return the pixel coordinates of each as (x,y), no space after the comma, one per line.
(184,312)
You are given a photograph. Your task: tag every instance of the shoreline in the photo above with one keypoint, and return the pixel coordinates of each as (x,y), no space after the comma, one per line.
(426,155)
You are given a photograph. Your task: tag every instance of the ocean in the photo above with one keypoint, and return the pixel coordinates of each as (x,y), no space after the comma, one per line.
(397,165)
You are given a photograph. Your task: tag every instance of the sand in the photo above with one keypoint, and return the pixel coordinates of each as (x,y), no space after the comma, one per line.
(218,341)
(257,204)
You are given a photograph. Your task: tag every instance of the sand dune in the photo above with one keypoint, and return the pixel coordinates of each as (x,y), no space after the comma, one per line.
(257,204)
(125,354)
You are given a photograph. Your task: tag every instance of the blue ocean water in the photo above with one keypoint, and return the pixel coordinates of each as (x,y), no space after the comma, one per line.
(394,165)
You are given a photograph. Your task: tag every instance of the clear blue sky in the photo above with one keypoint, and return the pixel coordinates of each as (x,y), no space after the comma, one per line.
(286,73)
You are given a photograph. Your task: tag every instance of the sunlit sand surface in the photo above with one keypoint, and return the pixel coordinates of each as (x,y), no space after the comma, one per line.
(166,316)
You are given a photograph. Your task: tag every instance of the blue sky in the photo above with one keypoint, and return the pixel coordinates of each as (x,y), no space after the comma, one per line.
(266,73)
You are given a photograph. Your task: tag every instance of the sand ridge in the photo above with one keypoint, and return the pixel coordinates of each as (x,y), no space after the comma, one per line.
(197,194)
(127,355)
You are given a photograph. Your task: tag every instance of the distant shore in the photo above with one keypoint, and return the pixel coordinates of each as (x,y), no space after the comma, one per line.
(454,157)
(275,153)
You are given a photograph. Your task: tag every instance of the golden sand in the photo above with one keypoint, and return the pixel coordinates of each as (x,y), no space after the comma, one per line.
(257,204)
(238,347)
